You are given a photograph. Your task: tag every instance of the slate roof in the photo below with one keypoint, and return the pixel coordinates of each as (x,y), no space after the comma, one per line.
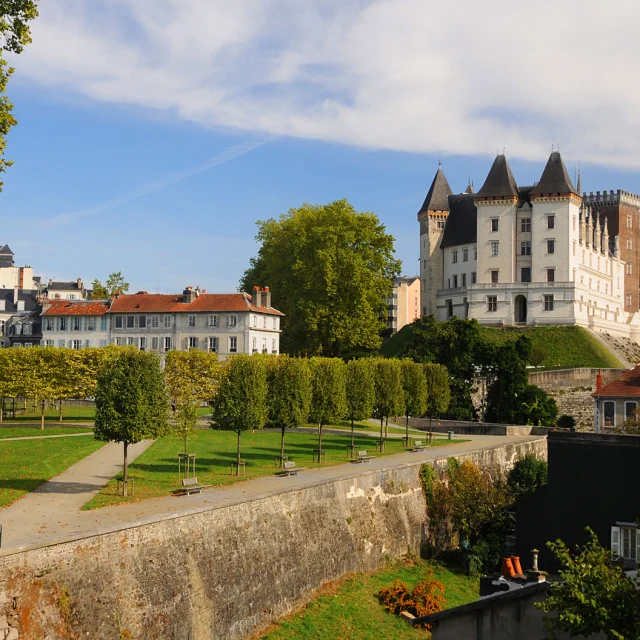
(626,386)
(555,178)
(6,249)
(470,188)
(173,303)
(461,226)
(76,308)
(29,296)
(500,182)
(437,197)
(64,286)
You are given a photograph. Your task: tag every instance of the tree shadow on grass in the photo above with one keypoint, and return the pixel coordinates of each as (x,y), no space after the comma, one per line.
(22,484)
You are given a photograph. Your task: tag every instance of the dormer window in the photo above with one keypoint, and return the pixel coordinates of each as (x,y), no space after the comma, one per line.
(20,305)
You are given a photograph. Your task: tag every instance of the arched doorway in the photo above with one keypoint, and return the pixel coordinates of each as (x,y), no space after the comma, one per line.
(521,310)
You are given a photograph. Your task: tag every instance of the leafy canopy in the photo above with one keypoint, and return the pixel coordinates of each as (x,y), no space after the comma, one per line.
(115,284)
(389,396)
(328,396)
(330,269)
(289,391)
(438,389)
(414,386)
(360,389)
(528,474)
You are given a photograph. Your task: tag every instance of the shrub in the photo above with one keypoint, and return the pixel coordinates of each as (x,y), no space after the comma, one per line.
(426,598)
(528,475)
(566,422)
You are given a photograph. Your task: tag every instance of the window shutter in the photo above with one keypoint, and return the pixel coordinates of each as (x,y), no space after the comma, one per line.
(61,343)
(637,545)
(88,343)
(615,540)
(186,344)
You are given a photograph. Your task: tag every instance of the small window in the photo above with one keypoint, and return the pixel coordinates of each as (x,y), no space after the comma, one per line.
(525,225)
(274,349)
(119,324)
(91,324)
(474,277)
(609,413)
(155,321)
(233,321)
(525,274)
(193,342)
(192,321)
(492,303)
(255,321)
(495,247)
(628,299)
(525,248)
(233,344)
(264,322)
(464,279)
(143,343)
(131,322)
(551,222)
(551,275)
(48,343)
(454,256)
(275,322)
(629,222)
(629,243)
(142,322)
(132,341)
(103,323)
(494,224)
(455,282)
(167,343)
(551,246)
(76,324)
(629,268)
(63,324)
(630,411)
(475,252)
(465,255)
(167,322)
(20,305)
(548,302)
(254,345)
(494,276)
(213,344)
(155,342)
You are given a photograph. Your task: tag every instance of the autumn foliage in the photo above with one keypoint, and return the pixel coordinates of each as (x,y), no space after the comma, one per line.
(427,597)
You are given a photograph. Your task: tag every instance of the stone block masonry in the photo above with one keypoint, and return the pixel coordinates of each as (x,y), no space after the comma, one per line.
(222,573)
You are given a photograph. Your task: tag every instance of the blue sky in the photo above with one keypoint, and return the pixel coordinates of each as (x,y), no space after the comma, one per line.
(289,102)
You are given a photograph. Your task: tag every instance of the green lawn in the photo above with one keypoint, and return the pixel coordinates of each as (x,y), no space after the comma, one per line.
(374,427)
(24,466)
(351,611)
(156,470)
(34,430)
(71,413)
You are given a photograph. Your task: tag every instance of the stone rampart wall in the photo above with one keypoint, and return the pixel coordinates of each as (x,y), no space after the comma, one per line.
(220,574)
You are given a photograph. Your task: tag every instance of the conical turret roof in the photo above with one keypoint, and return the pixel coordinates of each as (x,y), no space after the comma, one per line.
(500,182)
(555,178)
(438,197)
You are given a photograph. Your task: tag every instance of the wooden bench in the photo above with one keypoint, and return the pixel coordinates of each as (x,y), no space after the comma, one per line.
(362,457)
(290,469)
(189,486)
(418,446)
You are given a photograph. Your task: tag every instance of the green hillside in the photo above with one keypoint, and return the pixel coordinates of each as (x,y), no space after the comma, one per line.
(562,346)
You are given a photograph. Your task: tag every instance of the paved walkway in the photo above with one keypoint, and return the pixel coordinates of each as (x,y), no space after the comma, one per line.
(52,513)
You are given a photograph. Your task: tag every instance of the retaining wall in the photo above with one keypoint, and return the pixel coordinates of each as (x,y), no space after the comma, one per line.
(222,573)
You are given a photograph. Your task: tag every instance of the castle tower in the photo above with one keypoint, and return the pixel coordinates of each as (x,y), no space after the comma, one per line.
(432,218)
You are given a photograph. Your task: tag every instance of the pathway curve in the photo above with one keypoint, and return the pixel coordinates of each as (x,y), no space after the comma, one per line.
(52,513)
(54,506)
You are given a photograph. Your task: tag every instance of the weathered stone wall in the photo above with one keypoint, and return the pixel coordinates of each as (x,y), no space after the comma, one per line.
(572,389)
(221,573)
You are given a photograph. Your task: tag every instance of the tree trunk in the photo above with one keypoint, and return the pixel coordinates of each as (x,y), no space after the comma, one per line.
(319,440)
(125,474)
(1,408)
(42,416)
(430,429)
(238,459)
(60,414)
(352,441)
(381,429)
(185,442)
(282,449)
(407,429)
(386,427)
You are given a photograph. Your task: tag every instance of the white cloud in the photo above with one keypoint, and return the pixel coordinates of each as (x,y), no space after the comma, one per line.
(416,75)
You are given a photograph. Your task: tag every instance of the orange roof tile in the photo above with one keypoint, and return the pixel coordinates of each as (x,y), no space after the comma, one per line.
(76,308)
(626,386)
(173,303)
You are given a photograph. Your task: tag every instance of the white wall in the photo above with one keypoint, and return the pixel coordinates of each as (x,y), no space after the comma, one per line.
(504,262)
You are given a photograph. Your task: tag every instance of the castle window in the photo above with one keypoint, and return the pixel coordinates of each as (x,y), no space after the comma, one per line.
(629,268)
(492,303)
(574,223)
(475,252)
(473,278)
(494,276)
(574,247)
(495,245)
(548,303)
(494,224)
(629,243)
(454,255)
(525,225)
(525,248)
(551,222)
(465,255)
(424,263)
(629,222)
(455,282)
(464,279)
(628,299)
(551,275)
(525,274)
(551,246)
(440,224)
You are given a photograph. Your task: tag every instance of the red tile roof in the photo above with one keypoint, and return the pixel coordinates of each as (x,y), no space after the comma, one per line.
(626,386)
(76,308)
(173,303)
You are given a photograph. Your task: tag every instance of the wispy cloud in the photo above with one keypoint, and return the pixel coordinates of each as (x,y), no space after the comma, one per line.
(151,187)
(461,77)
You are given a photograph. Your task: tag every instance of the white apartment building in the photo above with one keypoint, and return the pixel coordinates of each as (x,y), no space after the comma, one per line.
(75,324)
(223,323)
(512,255)
(73,290)
(403,307)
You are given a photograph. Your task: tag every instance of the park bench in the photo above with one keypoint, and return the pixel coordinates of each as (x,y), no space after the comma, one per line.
(290,469)
(418,446)
(362,457)
(189,486)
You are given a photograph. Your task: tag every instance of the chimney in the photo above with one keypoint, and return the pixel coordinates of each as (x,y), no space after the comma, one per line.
(599,380)
(21,277)
(79,282)
(15,295)
(256,297)
(188,295)
(267,297)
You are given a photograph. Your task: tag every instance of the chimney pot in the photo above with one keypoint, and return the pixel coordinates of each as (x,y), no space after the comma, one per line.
(257,297)
(266,297)
(599,380)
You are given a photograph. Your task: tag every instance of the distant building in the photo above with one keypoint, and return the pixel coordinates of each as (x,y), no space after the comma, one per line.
(404,305)
(12,276)
(73,290)
(617,401)
(19,318)
(75,324)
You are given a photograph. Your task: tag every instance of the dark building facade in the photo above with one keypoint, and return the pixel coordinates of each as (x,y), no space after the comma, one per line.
(594,482)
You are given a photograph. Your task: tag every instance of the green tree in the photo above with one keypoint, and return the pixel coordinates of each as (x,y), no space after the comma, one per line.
(527,475)
(414,387)
(389,396)
(15,34)
(114,285)
(592,595)
(240,402)
(43,375)
(566,422)
(360,391)
(131,400)
(438,390)
(289,400)
(330,269)
(328,393)
(191,379)
(536,407)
